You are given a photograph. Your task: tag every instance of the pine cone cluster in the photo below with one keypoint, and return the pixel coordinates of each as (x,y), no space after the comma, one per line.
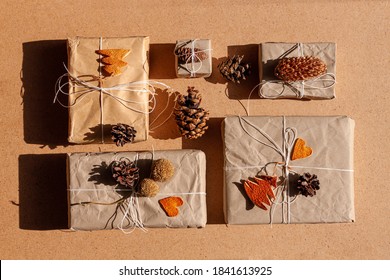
(125,173)
(233,69)
(308,184)
(122,134)
(191,119)
(300,68)
(184,55)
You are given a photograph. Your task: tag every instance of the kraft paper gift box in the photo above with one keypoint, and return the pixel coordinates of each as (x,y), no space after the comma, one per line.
(197,62)
(90,180)
(271,87)
(93,111)
(254,146)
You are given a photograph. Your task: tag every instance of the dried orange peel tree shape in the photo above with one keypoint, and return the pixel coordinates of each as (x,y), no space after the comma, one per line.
(170,205)
(113,60)
(260,192)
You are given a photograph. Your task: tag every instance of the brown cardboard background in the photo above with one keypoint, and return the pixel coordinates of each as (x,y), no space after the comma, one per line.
(33,33)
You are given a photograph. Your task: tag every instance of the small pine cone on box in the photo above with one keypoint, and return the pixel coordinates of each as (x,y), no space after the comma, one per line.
(300,68)
(191,119)
(233,69)
(122,134)
(125,173)
(184,55)
(308,184)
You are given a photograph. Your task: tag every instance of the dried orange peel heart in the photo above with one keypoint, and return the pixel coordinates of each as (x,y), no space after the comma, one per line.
(300,150)
(260,192)
(113,60)
(170,205)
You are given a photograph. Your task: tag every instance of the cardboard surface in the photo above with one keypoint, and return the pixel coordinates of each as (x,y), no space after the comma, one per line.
(33,140)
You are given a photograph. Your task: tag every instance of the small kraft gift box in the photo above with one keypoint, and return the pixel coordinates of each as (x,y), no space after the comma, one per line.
(108,85)
(297,70)
(193,58)
(288,169)
(129,190)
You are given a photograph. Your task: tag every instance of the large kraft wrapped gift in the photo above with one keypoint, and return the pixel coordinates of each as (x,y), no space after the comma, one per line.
(321,87)
(93,112)
(286,148)
(193,58)
(93,193)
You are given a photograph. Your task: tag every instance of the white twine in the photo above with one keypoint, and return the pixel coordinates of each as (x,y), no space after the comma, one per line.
(191,60)
(88,87)
(289,135)
(325,81)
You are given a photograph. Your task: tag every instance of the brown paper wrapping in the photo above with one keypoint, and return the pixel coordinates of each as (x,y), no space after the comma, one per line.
(331,139)
(90,180)
(85,115)
(269,55)
(201,69)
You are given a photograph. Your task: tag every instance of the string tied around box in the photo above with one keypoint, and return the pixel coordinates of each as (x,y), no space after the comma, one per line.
(89,87)
(289,136)
(196,56)
(268,90)
(128,204)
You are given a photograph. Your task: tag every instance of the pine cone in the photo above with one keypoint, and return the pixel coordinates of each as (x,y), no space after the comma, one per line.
(191,119)
(234,70)
(300,68)
(125,173)
(122,134)
(184,55)
(308,184)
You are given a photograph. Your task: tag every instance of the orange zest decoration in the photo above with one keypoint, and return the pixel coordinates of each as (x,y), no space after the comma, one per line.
(170,205)
(113,60)
(300,150)
(260,192)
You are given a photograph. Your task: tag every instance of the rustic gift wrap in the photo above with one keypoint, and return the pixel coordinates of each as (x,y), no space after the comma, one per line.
(322,87)
(194,67)
(90,180)
(258,145)
(123,99)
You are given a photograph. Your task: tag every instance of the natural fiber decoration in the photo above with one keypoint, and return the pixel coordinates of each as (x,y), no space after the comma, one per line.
(300,150)
(148,188)
(170,205)
(162,170)
(184,55)
(308,184)
(233,69)
(190,118)
(260,192)
(113,60)
(123,134)
(125,173)
(300,68)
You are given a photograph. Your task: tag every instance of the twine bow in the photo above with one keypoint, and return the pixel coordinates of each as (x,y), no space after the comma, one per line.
(269,91)
(89,86)
(194,57)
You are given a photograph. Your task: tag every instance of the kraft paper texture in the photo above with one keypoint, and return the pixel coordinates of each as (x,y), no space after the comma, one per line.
(271,53)
(201,69)
(90,179)
(85,114)
(331,139)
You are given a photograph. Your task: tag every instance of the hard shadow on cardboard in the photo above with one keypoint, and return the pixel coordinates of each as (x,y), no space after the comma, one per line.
(216,77)
(44,123)
(242,90)
(42,192)
(161,120)
(211,144)
(162,61)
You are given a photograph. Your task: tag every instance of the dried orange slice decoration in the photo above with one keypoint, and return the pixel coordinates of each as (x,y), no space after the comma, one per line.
(170,205)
